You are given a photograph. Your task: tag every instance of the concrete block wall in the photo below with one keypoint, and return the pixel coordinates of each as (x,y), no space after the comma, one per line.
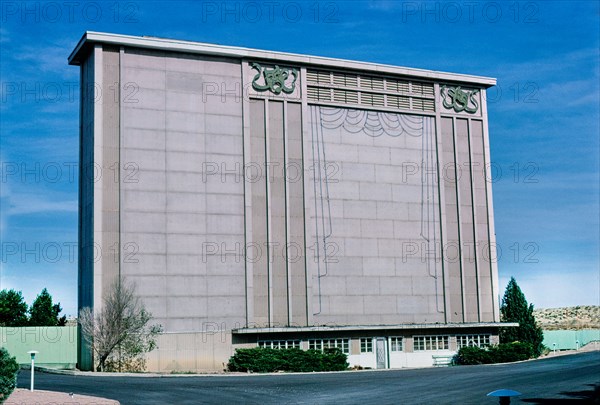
(180,209)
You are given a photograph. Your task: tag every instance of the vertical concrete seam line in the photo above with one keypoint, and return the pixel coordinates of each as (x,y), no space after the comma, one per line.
(286,212)
(474,216)
(459,227)
(244,250)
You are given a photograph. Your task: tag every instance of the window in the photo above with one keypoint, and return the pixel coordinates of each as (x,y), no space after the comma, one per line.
(430,343)
(366,345)
(321,344)
(472,340)
(279,344)
(396,344)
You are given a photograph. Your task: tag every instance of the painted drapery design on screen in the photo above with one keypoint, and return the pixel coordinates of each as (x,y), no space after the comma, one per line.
(366,160)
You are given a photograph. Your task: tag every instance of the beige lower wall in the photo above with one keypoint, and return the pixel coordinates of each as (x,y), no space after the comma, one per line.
(210,351)
(191,352)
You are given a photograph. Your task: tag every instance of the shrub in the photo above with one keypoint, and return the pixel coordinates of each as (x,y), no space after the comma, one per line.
(265,360)
(516,351)
(472,355)
(334,360)
(503,353)
(9,369)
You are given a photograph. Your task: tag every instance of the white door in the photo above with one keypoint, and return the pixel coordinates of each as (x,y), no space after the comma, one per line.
(381,352)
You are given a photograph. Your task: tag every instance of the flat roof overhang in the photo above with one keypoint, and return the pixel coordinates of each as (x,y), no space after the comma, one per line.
(352,328)
(163,44)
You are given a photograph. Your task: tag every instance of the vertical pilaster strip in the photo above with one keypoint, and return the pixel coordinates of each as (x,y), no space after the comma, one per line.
(276,203)
(82,351)
(451,256)
(111,162)
(474,214)
(120,143)
(256,245)
(246,175)
(467,229)
(305,139)
(97,185)
(295,214)
(285,249)
(457,172)
(441,201)
(87,267)
(268,235)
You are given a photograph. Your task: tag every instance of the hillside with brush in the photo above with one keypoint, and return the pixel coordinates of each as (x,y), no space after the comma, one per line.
(571,318)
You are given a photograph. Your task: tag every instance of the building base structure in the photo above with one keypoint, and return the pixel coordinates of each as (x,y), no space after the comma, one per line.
(260,198)
(367,347)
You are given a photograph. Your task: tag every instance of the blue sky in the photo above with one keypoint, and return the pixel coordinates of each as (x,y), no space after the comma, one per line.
(543,115)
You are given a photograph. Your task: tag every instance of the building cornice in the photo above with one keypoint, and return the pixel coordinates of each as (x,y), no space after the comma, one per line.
(173,45)
(348,328)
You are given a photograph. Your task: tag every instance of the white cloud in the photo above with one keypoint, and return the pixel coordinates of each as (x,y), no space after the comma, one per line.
(553,290)
(32,201)
(4,36)
(31,205)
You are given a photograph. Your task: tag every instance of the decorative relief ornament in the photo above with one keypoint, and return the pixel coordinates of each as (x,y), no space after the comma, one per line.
(275,79)
(459,99)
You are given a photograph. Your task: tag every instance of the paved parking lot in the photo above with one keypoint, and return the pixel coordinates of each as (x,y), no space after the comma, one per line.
(558,380)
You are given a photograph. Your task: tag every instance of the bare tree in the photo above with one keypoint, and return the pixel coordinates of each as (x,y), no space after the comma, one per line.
(119,334)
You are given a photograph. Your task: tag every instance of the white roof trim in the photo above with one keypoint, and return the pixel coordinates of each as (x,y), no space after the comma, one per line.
(345,328)
(174,45)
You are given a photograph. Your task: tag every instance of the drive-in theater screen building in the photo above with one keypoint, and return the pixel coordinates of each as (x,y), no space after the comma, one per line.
(269,199)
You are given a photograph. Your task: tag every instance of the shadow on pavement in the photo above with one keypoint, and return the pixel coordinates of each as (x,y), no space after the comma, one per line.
(591,396)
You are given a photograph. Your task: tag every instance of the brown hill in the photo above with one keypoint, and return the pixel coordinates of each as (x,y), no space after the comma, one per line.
(579,317)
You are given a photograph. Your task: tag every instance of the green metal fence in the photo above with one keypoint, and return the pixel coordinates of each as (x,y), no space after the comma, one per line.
(57,345)
(570,339)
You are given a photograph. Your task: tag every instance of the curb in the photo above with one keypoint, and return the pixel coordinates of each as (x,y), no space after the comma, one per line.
(237,374)
(224,375)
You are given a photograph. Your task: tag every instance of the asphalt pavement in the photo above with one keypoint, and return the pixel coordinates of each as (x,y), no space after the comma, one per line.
(572,379)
